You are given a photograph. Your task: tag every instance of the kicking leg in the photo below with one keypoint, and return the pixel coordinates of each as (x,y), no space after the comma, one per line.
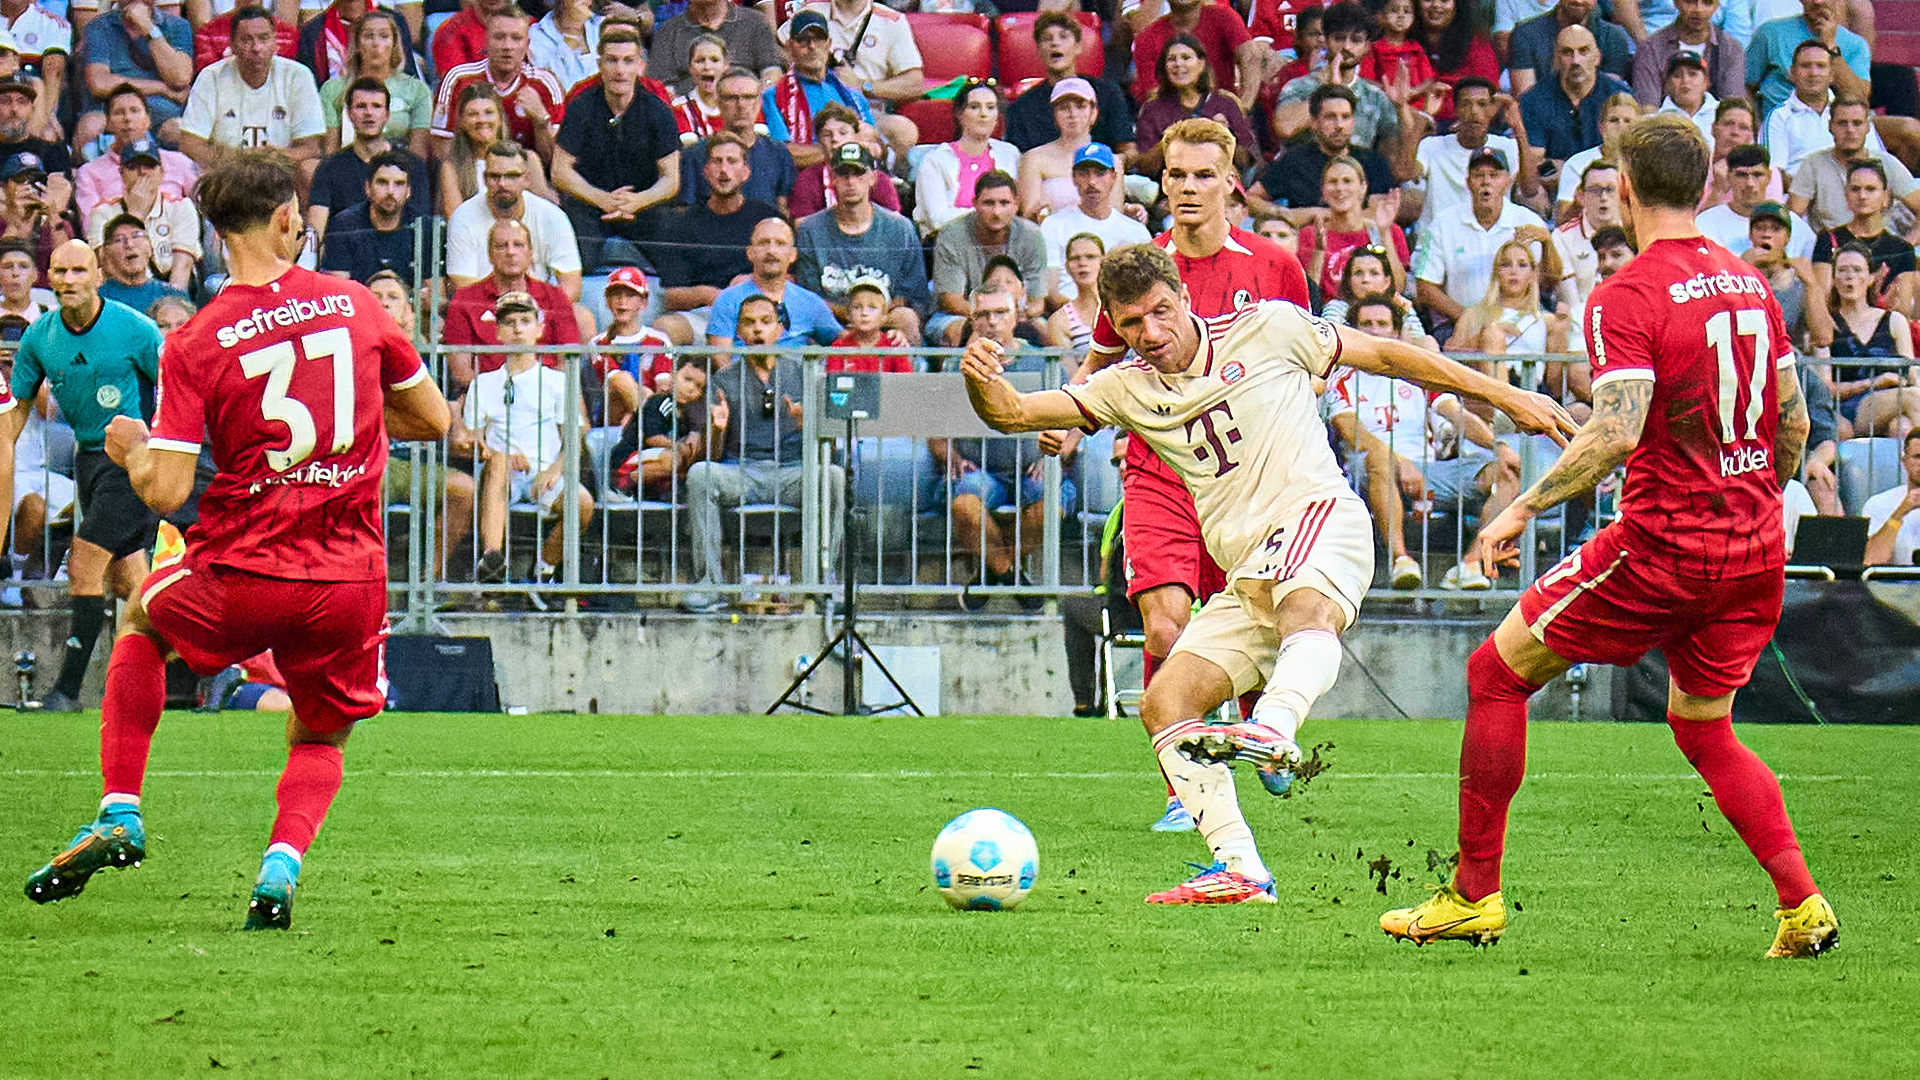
(1164,611)
(1187,689)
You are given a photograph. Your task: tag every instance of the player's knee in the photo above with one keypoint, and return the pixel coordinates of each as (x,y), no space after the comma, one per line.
(1490,678)
(1162,630)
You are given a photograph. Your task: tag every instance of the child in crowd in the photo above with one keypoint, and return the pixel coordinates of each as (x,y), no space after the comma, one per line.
(1393,49)
(669,433)
(866,306)
(642,367)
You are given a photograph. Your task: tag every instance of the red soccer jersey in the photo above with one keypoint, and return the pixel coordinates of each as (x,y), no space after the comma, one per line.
(1701,497)
(288,383)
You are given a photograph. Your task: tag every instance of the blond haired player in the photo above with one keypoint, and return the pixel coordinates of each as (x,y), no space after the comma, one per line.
(1229,404)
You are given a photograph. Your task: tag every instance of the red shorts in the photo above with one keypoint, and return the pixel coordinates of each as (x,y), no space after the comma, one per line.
(1605,605)
(1162,530)
(328,637)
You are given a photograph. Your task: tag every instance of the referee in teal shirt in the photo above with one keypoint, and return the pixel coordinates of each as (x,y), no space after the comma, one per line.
(102,359)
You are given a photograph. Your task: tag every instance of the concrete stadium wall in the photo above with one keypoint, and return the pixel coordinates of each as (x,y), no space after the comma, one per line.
(988,664)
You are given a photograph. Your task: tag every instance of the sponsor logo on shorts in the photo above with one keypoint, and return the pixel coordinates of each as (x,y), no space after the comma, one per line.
(333,476)
(290,313)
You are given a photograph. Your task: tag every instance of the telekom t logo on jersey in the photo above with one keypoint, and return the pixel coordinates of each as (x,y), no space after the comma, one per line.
(1216,438)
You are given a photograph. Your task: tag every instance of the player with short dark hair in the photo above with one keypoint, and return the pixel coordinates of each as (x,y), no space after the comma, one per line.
(1695,390)
(296,380)
(101,359)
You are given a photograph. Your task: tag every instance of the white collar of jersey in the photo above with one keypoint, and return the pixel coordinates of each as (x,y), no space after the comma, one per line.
(1202,356)
(1166,243)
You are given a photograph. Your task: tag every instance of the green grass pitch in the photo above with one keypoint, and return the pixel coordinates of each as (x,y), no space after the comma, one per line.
(562,896)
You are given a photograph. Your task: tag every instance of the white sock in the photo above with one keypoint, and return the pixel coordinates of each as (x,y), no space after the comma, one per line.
(287,850)
(1207,793)
(1308,663)
(119,798)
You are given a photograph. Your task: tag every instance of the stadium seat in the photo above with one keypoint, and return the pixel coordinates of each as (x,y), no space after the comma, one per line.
(950,46)
(1020,57)
(1865,468)
(927,25)
(1117,698)
(933,118)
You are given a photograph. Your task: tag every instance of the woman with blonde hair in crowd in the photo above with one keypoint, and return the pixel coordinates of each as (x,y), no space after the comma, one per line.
(697,111)
(1873,401)
(374,52)
(1348,226)
(479,122)
(1070,327)
(1510,319)
(1046,171)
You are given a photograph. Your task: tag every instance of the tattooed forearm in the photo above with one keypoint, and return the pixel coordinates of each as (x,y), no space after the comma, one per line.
(1619,412)
(1790,429)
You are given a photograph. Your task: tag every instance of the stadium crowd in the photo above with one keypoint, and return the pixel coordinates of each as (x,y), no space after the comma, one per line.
(642,177)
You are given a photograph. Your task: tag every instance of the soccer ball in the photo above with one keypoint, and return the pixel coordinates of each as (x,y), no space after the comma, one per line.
(984,860)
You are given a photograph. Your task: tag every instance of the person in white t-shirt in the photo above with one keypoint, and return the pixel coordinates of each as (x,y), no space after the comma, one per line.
(1893,528)
(1441,160)
(556,251)
(254,97)
(1229,404)
(512,417)
(1094,174)
(1749,171)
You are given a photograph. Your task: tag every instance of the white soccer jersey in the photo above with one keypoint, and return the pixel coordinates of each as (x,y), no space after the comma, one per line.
(1241,426)
(224,110)
(1394,410)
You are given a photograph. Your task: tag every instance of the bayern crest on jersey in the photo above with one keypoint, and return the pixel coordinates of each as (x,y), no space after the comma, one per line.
(1233,372)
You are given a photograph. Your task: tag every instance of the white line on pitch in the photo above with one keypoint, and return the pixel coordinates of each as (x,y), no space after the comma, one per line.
(805,774)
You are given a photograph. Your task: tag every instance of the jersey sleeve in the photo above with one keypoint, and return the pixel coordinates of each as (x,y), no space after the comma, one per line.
(1106,340)
(146,358)
(1622,345)
(1299,337)
(180,412)
(1100,399)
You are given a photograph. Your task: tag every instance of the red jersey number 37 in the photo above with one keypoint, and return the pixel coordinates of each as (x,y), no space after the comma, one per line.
(277,362)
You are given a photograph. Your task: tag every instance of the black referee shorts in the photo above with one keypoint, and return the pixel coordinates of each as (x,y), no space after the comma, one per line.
(111,515)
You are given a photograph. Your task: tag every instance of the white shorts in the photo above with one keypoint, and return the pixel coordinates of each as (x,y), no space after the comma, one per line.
(520,492)
(55,488)
(1327,547)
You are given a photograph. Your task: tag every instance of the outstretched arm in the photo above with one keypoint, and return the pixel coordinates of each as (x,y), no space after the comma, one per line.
(1619,412)
(1385,356)
(1008,410)
(1790,427)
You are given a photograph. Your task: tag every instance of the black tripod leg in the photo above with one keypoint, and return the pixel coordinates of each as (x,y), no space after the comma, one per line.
(839,640)
(905,698)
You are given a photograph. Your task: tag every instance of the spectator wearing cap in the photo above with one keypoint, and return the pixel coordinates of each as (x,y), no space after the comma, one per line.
(1095,172)
(172,225)
(790,105)
(1748,171)
(18,276)
(126,265)
(854,238)
(17,133)
(510,419)
(27,213)
(943,187)
(150,49)
(616,161)
(1769,232)
(1046,171)
(34,50)
(805,319)
(531,97)
(1562,114)
(771,174)
(376,233)
(703,246)
(1454,259)
(1533,49)
(874,45)
(470,313)
(1694,31)
(1236,58)
(1819,188)
(507,171)
(254,97)
(1775,48)
(1441,160)
(341,179)
(636,362)
(128,122)
(1290,185)
(1030,123)
(834,126)
(1377,120)
(962,247)
(1687,93)
(749,39)
(867,303)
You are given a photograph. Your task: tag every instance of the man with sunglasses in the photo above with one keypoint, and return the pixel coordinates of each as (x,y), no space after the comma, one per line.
(753,446)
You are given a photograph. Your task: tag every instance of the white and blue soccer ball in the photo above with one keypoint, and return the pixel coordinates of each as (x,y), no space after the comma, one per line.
(985,860)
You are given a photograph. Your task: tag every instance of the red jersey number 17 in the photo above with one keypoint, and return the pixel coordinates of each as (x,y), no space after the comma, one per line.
(276,362)
(1721,330)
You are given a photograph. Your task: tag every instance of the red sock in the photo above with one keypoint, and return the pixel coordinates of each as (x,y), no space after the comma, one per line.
(307,788)
(129,711)
(1493,759)
(1748,794)
(1247,701)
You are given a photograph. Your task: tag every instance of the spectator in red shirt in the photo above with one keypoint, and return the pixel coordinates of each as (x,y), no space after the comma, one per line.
(462,39)
(1236,58)
(867,303)
(1455,46)
(470,314)
(1395,59)
(533,98)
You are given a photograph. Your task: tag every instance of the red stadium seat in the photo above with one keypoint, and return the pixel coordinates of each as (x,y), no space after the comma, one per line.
(933,118)
(951,45)
(927,24)
(1899,38)
(1020,57)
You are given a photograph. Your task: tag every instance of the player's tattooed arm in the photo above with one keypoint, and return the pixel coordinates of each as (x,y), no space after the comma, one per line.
(1790,427)
(1619,412)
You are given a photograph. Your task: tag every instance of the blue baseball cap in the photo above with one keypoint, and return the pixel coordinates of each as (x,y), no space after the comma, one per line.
(805,21)
(1094,154)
